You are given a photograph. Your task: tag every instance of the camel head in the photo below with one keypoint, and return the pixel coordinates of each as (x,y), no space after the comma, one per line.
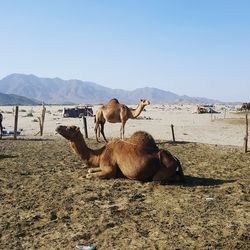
(68,132)
(144,102)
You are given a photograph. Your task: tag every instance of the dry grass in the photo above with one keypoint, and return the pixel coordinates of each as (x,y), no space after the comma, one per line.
(233,121)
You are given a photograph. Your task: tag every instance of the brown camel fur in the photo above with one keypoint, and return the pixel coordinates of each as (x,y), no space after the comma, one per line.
(1,126)
(137,158)
(115,112)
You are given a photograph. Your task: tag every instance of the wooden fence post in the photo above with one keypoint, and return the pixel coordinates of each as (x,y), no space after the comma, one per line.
(172,129)
(246,136)
(16,122)
(85,127)
(41,120)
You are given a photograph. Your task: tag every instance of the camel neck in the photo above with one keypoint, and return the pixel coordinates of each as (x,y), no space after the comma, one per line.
(87,155)
(136,112)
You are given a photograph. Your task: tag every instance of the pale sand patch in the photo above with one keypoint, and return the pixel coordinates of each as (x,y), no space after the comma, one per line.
(156,120)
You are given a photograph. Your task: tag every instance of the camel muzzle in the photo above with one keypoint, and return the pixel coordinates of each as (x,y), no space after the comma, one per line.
(59,129)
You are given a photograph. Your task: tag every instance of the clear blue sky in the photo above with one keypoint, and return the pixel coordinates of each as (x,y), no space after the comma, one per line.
(193,47)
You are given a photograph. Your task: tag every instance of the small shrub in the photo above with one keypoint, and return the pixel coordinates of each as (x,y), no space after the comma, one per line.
(29,114)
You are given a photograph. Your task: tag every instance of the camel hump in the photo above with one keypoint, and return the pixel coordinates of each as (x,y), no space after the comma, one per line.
(113,101)
(111,105)
(144,141)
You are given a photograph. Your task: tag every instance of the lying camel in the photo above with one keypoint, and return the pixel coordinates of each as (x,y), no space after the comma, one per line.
(115,112)
(245,106)
(137,158)
(1,126)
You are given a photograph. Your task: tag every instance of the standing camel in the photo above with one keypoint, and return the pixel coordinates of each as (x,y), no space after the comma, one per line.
(137,158)
(1,126)
(115,112)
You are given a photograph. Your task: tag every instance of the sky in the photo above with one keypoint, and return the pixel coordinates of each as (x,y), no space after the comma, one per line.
(199,48)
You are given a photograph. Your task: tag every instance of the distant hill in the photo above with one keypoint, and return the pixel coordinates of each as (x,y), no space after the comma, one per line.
(58,91)
(11,99)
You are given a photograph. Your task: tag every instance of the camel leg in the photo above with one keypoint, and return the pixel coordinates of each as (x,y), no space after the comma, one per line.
(1,130)
(105,172)
(102,131)
(97,131)
(122,130)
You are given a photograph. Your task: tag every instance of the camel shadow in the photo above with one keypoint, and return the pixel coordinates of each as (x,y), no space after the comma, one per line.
(36,139)
(173,143)
(28,139)
(7,156)
(192,181)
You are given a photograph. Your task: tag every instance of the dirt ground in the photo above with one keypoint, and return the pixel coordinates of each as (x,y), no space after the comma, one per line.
(47,203)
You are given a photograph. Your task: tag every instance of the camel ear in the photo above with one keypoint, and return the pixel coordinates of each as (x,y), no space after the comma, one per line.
(77,129)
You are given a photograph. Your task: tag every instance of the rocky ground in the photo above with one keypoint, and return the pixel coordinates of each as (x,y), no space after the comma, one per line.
(47,203)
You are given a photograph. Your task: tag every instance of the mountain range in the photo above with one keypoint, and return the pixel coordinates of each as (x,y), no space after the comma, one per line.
(11,99)
(58,91)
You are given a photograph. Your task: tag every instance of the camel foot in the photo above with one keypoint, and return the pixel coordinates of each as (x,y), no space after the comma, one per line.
(100,141)
(91,170)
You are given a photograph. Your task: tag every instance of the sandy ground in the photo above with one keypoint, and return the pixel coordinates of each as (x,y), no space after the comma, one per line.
(47,203)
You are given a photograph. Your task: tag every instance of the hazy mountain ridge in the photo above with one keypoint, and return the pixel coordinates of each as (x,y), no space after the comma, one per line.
(11,99)
(58,91)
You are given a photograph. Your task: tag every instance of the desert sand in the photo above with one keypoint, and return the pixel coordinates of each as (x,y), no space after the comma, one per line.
(47,203)
(156,119)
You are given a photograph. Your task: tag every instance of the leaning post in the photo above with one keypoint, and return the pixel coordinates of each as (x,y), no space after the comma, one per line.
(41,120)
(172,129)
(246,136)
(85,127)
(43,117)
(16,122)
